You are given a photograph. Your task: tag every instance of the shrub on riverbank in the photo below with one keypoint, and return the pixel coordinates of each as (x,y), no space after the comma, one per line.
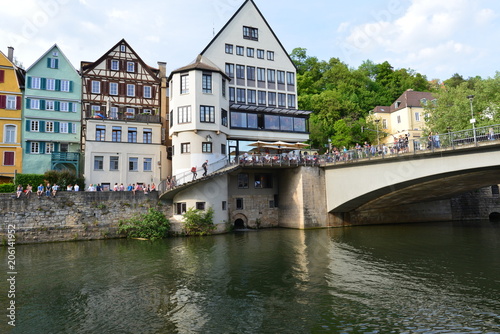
(7,188)
(152,225)
(198,222)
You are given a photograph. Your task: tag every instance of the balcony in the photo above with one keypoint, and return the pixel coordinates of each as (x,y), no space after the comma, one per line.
(65,157)
(123,116)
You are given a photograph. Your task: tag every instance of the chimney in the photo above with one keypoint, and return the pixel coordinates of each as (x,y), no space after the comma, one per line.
(10,54)
(162,66)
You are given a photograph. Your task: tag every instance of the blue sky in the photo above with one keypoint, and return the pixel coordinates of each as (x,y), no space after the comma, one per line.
(435,38)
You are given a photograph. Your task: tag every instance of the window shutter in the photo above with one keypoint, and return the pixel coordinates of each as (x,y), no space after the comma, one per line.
(89,86)
(28,128)
(2,76)
(43,84)
(58,85)
(18,103)
(138,91)
(42,147)
(56,127)
(104,88)
(29,82)
(136,67)
(3,101)
(57,106)
(28,103)
(153,92)
(70,127)
(41,127)
(71,86)
(70,107)
(42,104)
(27,149)
(108,63)
(57,63)
(123,65)
(48,62)
(121,89)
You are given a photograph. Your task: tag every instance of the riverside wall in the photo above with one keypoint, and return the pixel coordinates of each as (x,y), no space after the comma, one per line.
(73,215)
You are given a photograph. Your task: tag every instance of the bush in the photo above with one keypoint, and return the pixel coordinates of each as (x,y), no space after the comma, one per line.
(197,222)
(7,188)
(63,178)
(33,179)
(152,225)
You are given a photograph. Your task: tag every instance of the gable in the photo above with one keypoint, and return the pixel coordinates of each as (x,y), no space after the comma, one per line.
(240,31)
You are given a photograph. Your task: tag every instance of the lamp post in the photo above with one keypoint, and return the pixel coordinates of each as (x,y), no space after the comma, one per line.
(472,119)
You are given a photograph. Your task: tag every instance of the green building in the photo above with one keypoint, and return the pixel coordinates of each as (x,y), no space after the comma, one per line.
(52,115)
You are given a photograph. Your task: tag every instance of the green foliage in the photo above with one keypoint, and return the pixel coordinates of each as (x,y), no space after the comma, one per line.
(64,178)
(33,179)
(7,187)
(152,225)
(197,222)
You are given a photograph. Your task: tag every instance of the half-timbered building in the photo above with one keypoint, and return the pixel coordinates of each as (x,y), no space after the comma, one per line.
(122,137)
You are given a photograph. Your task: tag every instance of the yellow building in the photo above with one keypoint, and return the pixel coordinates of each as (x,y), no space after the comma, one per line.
(404,117)
(11,85)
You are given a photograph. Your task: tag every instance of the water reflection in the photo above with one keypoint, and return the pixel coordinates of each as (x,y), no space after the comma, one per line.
(408,278)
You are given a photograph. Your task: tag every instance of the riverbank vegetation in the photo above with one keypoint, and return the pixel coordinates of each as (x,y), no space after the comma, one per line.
(198,222)
(151,225)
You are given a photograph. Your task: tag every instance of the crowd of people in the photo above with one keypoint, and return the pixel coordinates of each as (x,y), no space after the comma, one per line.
(133,187)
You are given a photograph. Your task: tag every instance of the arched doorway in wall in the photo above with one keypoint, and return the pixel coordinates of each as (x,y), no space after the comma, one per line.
(240,221)
(494,217)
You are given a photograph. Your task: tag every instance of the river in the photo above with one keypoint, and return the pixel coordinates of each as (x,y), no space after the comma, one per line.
(414,278)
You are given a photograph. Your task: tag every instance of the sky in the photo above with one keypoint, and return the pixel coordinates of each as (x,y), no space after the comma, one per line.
(436,38)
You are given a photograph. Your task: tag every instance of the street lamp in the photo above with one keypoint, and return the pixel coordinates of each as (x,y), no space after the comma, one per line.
(472,119)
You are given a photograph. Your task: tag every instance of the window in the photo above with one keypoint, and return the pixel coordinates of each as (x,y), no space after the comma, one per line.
(34,104)
(115,65)
(238,119)
(65,85)
(261,74)
(240,50)
(116,134)
(180,208)
(11,102)
(49,148)
(63,127)
(52,63)
(96,87)
(240,71)
(281,100)
(286,123)
(240,95)
(113,113)
(271,76)
(251,33)
(133,164)
(263,181)
(100,133)
(299,124)
(223,117)
(34,126)
(147,92)
(250,73)
(63,147)
(184,84)
(35,83)
(10,134)
(207,83)
(291,101)
(206,147)
(200,206)
(271,97)
(114,162)
(123,48)
(113,88)
(250,52)
(223,88)
(98,163)
(130,112)
(251,96)
(147,136)
(399,119)
(64,106)
(130,66)
(223,149)
(185,147)
(148,164)
(262,97)
(184,114)
(230,70)
(281,77)
(130,90)
(49,126)
(8,158)
(34,147)
(384,124)
(260,54)
(229,48)
(132,135)
(290,78)
(417,116)
(239,204)
(270,55)
(49,105)
(50,84)
(232,94)
(207,114)
(272,122)
(242,181)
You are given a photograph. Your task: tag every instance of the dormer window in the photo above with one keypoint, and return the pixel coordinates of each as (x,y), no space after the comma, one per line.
(423,101)
(397,104)
(251,33)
